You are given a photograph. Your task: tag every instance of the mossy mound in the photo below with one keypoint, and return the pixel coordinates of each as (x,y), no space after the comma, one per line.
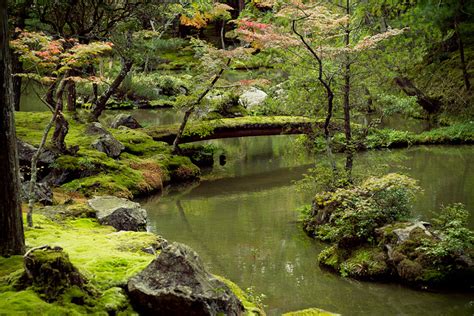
(364,263)
(103,256)
(144,166)
(311,312)
(251,308)
(370,241)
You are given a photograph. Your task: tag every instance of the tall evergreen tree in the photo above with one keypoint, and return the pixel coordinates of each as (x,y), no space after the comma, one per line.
(12,240)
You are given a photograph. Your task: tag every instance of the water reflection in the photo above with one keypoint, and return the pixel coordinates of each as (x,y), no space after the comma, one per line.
(242,220)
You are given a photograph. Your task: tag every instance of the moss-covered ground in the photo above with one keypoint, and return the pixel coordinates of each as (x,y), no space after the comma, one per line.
(107,259)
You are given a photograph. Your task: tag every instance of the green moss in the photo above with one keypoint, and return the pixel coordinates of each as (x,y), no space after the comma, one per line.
(125,184)
(251,308)
(25,302)
(9,265)
(310,312)
(139,143)
(115,299)
(365,263)
(11,270)
(30,126)
(461,133)
(180,168)
(330,258)
(108,258)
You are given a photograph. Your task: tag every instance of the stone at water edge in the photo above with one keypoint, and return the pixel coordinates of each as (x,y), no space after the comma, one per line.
(120,213)
(125,120)
(177,283)
(109,145)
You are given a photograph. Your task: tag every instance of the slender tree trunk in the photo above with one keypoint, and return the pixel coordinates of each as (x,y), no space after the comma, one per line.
(223,34)
(191,109)
(465,74)
(34,170)
(62,126)
(71,96)
(17,67)
(370,100)
(330,96)
(347,93)
(12,240)
(99,106)
(347,82)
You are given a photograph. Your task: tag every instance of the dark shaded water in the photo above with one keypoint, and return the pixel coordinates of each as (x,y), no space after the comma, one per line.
(243,221)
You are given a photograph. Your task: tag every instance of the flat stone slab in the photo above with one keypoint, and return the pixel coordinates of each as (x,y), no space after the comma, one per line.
(120,213)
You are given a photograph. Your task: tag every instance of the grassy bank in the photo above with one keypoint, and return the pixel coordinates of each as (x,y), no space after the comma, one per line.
(143,167)
(107,258)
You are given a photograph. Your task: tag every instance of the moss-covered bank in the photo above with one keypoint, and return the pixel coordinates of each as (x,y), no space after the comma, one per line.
(144,165)
(105,257)
(456,134)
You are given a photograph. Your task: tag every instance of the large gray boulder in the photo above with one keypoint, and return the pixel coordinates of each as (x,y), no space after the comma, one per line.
(125,120)
(176,283)
(252,98)
(109,145)
(120,213)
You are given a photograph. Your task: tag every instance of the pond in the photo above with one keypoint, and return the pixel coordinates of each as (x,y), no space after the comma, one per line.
(243,220)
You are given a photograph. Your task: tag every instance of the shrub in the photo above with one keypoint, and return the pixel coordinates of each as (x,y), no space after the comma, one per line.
(455,237)
(350,216)
(154,86)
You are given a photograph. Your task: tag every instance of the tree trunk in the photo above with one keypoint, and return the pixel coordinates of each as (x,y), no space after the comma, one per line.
(12,240)
(62,126)
(222,33)
(17,67)
(465,74)
(190,110)
(99,106)
(34,169)
(347,93)
(430,105)
(71,96)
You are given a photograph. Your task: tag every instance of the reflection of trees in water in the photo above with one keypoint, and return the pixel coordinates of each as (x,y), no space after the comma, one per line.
(203,244)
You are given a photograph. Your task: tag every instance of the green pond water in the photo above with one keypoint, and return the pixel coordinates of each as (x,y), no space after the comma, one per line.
(242,219)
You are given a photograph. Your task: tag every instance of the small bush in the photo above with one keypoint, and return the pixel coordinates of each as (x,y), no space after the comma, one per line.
(456,238)
(350,216)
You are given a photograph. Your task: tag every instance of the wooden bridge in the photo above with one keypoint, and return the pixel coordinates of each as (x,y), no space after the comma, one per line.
(235,127)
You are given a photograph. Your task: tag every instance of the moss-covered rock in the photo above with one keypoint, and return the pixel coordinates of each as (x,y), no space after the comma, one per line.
(52,274)
(311,312)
